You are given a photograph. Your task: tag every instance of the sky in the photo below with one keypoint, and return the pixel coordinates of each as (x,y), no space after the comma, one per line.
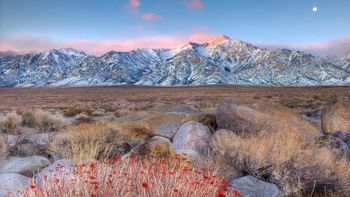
(318,26)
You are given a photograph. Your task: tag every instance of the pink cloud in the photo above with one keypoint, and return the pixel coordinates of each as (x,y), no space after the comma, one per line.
(194,4)
(337,47)
(200,38)
(26,44)
(151,17)
(134,4)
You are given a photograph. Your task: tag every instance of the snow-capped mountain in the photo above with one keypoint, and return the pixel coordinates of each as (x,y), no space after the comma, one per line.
(218,61)
(343,62)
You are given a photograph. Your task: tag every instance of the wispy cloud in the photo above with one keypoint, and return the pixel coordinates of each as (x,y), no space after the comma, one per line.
(26,44)
(337,47)
(151,17)
(200,37)
(194,4)
(134,5)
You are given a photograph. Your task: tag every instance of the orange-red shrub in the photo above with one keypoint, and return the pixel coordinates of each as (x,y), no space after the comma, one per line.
(135,177)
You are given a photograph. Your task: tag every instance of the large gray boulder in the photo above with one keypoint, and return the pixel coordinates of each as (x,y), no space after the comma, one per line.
(154,123)
(26,165)
(26,148)
(250,186)
(264,117)
(184,110)
(192,136)
(11,184)
(336,118)
(60,169)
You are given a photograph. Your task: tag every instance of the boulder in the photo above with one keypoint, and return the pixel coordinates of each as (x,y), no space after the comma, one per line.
(11,184)
(28,144)
(192,136)
(184,110)
(26,148)
(250,186)
(156,146)
(344,136)
(40,138)
(60,169)
(26,165)
(11,140)
(336,117)
(264,117)
(336,145)
(161,124)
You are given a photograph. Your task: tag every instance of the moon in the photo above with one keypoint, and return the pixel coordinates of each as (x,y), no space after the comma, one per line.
(314,9)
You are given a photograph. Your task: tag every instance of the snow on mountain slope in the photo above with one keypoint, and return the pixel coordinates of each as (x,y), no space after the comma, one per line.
(218,61)
(343,62)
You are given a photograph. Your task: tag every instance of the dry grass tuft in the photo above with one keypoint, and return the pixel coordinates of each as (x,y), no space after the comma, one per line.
(142,107)
(3,147)
(42,120)
(102,140)
(155,147)
(10,124)
(296,167)
(88,141)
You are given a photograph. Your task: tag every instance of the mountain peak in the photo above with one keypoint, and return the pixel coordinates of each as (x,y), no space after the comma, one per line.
(218,40)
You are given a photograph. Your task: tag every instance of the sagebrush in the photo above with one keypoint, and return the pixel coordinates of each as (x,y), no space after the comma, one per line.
(294,166)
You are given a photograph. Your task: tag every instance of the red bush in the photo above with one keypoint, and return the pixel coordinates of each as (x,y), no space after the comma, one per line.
(134,177)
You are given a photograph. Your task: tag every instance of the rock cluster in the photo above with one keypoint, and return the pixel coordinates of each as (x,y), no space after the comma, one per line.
(189,131)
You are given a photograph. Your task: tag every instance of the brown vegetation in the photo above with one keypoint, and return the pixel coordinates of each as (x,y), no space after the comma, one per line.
(101,140)
(3,147)
(43,121)
(336,117)
(10,123)
(296,167)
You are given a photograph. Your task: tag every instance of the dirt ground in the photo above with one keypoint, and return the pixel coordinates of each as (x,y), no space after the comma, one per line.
(308,101)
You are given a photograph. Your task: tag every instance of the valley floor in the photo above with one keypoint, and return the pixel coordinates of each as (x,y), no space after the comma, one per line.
(308,101)
(85,96)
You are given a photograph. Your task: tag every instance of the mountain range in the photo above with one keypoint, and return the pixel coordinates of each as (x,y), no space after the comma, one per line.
(219,61)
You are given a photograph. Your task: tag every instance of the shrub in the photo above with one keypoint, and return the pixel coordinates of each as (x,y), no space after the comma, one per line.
(46,122)
(73,111)
(101,139)
(10,124)
(3,147)
(98,112)
(87,141)
(296,167)
(143,107)
(28,119)
(134,177)
(42,120)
